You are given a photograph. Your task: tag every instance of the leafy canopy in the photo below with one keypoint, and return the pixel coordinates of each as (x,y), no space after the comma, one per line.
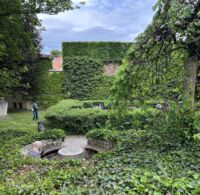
(34,7)
(154,63)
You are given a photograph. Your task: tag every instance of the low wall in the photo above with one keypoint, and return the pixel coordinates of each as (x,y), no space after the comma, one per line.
(3,108)
(44,147)
(107,145)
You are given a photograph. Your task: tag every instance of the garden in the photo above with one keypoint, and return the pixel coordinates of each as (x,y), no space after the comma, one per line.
(139,127)
(152,153)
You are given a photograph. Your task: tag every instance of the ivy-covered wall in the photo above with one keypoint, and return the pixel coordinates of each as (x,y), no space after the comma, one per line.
(83,64)
(47,86)
(198,84)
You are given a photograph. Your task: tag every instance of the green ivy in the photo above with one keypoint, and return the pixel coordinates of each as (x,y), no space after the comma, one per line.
(47,87)
(83,68)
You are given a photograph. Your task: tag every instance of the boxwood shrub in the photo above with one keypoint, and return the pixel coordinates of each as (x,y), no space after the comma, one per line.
(24,138)
(75,116)
(78,117)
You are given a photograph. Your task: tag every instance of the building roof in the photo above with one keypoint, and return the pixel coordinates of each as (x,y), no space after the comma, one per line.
(44,56)
(57,64)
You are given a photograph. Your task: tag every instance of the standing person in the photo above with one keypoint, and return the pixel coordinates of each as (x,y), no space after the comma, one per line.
(35,111)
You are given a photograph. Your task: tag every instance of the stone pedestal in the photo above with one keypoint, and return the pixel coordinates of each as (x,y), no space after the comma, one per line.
(3,108)
(70,152)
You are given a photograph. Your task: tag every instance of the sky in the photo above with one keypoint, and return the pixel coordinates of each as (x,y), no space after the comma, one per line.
(98,20)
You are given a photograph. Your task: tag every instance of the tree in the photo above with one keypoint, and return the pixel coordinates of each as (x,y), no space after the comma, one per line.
(173,32)
(55,54)
(20,39)
(18,7)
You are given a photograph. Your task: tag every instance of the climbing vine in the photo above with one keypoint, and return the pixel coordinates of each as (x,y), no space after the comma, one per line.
(83,67)
(47,86)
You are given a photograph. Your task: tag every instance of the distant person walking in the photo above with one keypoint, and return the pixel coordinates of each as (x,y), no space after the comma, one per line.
(35,111)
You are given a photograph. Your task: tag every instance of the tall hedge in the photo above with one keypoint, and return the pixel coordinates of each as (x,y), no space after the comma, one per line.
(47,86)
(83,67)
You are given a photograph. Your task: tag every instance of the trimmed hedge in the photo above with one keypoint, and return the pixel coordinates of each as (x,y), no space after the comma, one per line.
(83,68)
(104,135)
(78,117)
(71,116)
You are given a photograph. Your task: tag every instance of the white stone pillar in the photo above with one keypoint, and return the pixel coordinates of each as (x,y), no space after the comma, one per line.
(3,107)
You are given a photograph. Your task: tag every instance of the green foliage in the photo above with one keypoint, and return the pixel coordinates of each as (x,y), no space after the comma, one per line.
(55,54)
(175,127)
(197,137)
(134,119)
(106,51)
(52,134)
(26,174)
(71,116)
(81,116)
(137,165)
(154,65)
(198,84)
(20,40)
(104,134)
(18,7)
(158,184)
(8,81)
(83,66)
(47,87)
(20,45)
(103,88)
(81,76)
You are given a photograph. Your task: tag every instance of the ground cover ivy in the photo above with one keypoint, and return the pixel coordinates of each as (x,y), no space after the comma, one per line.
(139,164)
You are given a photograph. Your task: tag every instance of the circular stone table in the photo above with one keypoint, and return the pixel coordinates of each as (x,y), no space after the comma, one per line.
(70,152)
(73,147)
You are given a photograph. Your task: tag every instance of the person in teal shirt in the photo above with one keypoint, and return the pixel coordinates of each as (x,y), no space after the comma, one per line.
(35,111)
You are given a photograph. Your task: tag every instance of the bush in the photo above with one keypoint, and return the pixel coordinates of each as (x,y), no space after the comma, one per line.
(124,139)
(52,134)
(71,116)
(104,134)
(81,116)
(134,119)
(175,127)
(28,138)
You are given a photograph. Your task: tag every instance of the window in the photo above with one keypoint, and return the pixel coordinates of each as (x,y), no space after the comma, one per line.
(20,105)
(15,105)
(110,69)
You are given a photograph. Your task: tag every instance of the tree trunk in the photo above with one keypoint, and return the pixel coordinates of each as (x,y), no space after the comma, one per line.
(190,76)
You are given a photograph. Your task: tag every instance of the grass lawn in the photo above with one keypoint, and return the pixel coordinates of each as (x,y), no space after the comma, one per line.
(21,120)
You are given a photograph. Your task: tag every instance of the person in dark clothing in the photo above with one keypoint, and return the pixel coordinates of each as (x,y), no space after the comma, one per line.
(35,111)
